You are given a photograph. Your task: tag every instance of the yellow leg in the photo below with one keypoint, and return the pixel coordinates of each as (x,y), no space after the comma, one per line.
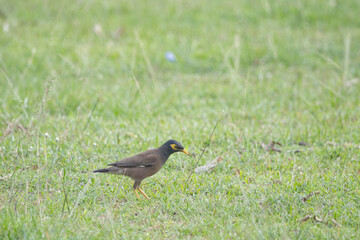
(136,193)
(141,191)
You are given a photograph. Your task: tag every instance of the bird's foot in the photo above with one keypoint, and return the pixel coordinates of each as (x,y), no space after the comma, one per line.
(142,192)
(136,193)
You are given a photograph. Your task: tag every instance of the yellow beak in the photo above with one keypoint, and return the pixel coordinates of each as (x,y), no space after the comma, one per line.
(184,151)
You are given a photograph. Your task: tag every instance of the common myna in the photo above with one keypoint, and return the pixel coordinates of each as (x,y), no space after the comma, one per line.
(144,164)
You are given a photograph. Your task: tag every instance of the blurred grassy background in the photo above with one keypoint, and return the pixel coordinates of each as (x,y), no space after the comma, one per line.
(94,77)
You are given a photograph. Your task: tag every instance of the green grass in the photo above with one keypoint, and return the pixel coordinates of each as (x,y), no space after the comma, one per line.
(285,71)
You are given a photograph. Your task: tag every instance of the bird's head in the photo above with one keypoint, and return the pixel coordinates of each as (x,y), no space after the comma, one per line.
(173,146)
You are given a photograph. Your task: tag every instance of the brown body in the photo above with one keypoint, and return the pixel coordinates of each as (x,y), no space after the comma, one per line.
(145,164)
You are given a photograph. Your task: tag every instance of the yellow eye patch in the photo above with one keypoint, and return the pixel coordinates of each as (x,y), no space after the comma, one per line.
(173,146)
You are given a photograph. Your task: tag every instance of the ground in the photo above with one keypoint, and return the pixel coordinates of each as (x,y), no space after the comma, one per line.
(86,83)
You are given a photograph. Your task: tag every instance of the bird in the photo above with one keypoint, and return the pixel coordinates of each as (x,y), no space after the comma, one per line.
(143,165)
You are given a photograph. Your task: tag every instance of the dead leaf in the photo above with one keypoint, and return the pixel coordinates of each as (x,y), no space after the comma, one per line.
(208,167)
(301,143)
(315,218)
(271,146)
(310,195)
(305,218)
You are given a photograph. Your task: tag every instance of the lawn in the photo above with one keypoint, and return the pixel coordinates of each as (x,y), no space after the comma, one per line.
(87,83)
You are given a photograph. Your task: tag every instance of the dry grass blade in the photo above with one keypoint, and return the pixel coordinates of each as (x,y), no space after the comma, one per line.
(91,113)
(317,219)
(335,223)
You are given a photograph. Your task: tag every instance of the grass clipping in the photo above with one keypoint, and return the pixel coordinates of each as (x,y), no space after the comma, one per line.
(208,167)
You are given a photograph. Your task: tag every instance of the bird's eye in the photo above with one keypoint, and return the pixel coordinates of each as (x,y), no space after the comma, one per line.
(173,146)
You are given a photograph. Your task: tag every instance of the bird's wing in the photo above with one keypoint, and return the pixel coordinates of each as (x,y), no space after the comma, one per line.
(145,159)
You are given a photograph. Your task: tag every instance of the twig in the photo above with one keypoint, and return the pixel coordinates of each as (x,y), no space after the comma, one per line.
(202,153)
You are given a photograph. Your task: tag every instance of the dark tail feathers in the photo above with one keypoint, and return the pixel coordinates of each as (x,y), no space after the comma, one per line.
(101,170)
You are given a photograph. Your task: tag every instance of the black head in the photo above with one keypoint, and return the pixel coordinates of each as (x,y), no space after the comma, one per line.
(173,146)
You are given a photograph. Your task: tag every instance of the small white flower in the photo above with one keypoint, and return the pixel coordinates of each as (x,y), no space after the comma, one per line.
(31,148)
(94,144)
(46,135)
(57,139)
